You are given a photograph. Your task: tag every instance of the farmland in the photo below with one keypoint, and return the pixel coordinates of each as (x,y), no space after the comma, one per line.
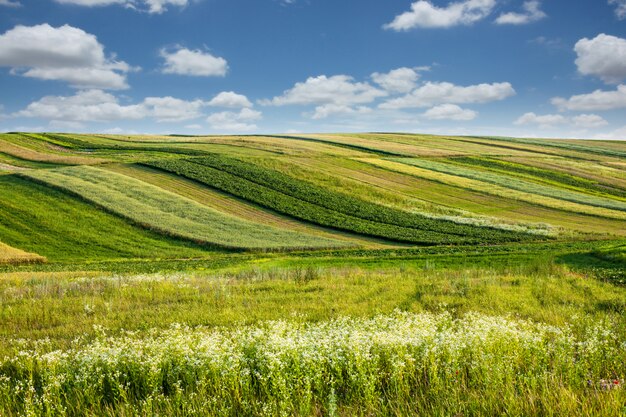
(318,274)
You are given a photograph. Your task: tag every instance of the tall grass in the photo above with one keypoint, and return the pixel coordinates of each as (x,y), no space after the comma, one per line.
(171,214)
(387,365)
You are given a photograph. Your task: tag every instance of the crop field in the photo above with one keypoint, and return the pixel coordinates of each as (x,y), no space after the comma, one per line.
(312,274)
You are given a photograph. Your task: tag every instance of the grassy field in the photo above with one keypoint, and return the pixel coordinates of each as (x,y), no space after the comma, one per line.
(335,274)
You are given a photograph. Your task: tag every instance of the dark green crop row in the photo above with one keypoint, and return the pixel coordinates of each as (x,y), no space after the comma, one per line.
(294,207)
(346,204)
(542,174)
(312,203)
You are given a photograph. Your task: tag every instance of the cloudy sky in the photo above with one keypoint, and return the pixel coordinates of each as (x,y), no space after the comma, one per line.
(547,68)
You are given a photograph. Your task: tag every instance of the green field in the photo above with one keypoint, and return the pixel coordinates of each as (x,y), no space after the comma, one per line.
(320,274)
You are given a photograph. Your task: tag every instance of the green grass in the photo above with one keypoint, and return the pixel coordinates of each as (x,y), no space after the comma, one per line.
(51,223)
(533,288)
(171,214)
(169,290)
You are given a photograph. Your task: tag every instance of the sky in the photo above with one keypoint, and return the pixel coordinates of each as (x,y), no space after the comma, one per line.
(534,68)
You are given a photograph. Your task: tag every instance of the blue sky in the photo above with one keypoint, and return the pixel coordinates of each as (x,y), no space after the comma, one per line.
(547,68)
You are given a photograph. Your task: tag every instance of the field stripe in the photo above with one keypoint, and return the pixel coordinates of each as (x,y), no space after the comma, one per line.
(516,183)
(13,256)
(233,206)
(493,189)
(171,214)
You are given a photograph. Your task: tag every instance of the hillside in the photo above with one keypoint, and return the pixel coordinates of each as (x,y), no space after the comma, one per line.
(363,274)
(189,196)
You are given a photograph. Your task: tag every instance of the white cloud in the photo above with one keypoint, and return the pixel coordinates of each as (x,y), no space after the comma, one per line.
(595,101)
(449,112)
(193,127)
(424,14)
(159,6)
(586,121)
(185,61)
(434,93)
(99,106)
(400,80)
(337,89)
(65,53)
(328,110)
(546,120)
(603,56)
(230,99)
(589,121)
(84,106)
(150,6)
(532,13)
(170,109)
(241,121)
(617,134)
(620,8)
(10,3)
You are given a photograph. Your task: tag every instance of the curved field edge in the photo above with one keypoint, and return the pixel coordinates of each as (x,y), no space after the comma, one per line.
(34,217)
(402,361)
(551,176)
(493,189)
(234,206)
(171,214)
(312,203)
(517,183)
(14,256)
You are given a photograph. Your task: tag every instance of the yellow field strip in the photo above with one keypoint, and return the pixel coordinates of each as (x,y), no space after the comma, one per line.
(11,255)
(232,206)
(33,155)
(497,190)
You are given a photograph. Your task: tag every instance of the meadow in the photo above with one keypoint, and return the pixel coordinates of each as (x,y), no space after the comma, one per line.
(306,275)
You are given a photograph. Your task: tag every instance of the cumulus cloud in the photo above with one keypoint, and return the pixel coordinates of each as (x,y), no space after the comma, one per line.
(230,99)
(337,89)
(620,8)
(449,112)
(546,120)
(424,14)
(589,121)
(183,61)
(65,53)
(586,121)
(241,121)
(532,13)
(100,106)
(10,3)
(84,106)
(434,93)
(400,80)
(328,110)
(150,6)
(597,100)
(603,56)
(170,109)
